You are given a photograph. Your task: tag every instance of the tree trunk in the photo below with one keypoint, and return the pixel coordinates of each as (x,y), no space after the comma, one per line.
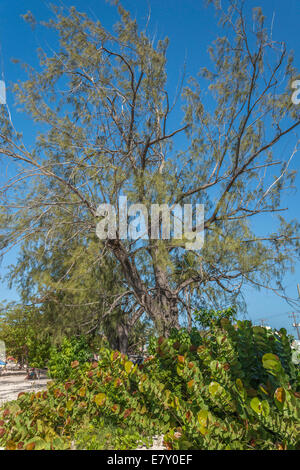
(162,307)
(118,338)
(122,335)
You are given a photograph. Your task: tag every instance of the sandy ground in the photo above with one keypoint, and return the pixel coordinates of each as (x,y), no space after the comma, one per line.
(157,444)
(12,383)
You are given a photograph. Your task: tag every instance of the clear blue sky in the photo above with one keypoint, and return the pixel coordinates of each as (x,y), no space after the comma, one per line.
(191,28)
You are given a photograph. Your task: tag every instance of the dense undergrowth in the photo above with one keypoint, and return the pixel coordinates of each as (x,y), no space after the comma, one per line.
(232,387)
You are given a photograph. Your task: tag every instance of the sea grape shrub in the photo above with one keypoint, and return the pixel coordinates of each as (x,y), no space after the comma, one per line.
(232,383)
(234,389)
(95,391)
(106,436)
(183,337)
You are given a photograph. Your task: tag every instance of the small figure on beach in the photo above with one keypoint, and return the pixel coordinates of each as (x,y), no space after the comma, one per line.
(31,374)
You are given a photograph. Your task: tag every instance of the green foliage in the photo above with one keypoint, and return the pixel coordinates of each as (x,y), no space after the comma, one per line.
(23,334)
(234,116)
(237,389)
(38,351)
(182,335)
(61,357)
(207,317)
(108,437)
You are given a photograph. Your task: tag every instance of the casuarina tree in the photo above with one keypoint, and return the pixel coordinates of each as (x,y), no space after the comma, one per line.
(103,114)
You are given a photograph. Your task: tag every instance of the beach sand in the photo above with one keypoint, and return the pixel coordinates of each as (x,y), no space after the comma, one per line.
(12,383)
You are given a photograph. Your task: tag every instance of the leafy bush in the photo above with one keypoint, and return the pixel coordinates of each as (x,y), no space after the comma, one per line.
(38,351)
(106,436)
(234,388)
(25,340)
(207,318)
(183,336)
(73,349)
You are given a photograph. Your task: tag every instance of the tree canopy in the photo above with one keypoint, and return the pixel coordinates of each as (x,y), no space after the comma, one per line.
(103,110)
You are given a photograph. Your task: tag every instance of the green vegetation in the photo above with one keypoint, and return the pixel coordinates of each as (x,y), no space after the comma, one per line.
(101,108)
(206,317)
(61,358)
(229,387)
(111,133)
(25,338)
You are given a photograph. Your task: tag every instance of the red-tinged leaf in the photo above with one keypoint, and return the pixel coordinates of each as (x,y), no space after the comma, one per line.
(190,383)
(115,355)
(10,445)
(57,393)
(181,359)
(2,432)
(148,359)
(168,445)
(115,408)
(160,352)
(252,443)
(30,446)
(68,385)
(74,364)
(118,382)
(127,413)
(280,395)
